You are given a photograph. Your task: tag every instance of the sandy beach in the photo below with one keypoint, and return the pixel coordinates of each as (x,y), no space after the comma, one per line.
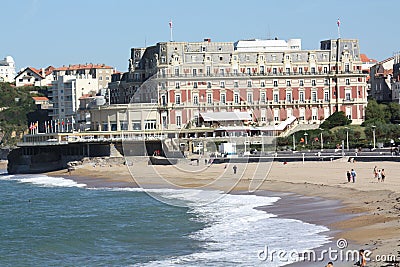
(3,164)
(374,207)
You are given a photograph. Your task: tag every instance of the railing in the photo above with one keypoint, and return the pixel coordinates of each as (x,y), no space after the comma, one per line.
(240,74)
(42,143)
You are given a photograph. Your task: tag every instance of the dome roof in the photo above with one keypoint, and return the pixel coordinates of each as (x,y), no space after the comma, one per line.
(9,59)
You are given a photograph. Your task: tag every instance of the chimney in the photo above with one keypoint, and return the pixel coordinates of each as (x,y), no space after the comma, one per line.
(43,73)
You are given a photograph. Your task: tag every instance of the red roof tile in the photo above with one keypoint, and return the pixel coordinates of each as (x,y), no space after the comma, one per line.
(48,70)
(84,96)
(40,98)
(366,59)
(86,66)
(36,71)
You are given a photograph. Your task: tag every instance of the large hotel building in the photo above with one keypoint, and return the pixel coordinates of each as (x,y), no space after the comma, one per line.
(272,80)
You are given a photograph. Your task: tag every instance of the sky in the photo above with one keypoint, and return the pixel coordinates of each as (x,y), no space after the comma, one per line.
(40,33)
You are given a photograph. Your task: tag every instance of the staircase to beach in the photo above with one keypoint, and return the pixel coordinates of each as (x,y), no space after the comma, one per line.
(299,127)
(171,149)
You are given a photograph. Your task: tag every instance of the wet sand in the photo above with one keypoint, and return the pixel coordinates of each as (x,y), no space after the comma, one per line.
(366,213)
(3,164)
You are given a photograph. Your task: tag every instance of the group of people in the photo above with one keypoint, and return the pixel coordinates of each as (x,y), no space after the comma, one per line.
(362,260)
(351,176)
(379,174)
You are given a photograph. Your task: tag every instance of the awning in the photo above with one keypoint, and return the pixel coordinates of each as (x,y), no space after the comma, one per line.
(226,116)
(280,127)
(235,129)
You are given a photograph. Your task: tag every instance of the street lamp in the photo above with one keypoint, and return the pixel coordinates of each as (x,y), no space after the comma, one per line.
(347,137)
(322,140)
(373,135)
(305,137)
(294,142)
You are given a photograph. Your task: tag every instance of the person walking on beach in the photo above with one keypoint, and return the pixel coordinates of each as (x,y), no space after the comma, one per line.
(375,172)
(379,175)
(362,261)
(348,176)
(353,175)
(383,175)
(234,169)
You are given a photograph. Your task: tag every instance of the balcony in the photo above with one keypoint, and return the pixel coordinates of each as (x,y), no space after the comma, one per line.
(240,74)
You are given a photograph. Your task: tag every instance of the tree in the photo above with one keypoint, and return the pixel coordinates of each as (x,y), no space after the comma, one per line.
(338,118)
(15,104)
(393,112)
(374,113)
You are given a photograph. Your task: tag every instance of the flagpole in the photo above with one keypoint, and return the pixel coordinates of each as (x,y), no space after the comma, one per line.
(338,28)
(170,31)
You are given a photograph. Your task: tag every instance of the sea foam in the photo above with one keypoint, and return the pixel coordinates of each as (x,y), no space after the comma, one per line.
(46,181)
(235,231)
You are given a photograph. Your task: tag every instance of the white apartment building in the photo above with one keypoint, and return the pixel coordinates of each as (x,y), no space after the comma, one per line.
(101,72)
(7,69)
(74,81)
(65,93)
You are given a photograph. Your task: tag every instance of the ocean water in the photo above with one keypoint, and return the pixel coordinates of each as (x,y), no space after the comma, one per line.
(48,221)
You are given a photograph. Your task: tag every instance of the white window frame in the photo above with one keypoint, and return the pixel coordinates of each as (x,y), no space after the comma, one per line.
(301,96)
(249,97)
(276,97)
(195,99)
(326,96)
(276,114)
(178,99)
(314,114)
(222,98)
(289,97)
(262,97)
(236,98)
(302,114)
(178,120)
(313,96)
(347,95)
(209,98)
(348,113)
